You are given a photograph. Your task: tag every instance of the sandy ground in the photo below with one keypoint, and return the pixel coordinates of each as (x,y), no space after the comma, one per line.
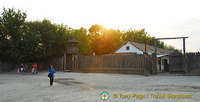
(87,87)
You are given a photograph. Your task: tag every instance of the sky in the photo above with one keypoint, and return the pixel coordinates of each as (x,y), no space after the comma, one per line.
(160,18)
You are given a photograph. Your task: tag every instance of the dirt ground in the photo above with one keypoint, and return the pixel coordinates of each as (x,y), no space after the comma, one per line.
(87,87)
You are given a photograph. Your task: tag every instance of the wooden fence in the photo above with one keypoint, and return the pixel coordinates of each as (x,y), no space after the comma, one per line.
(43,64)
(56,61)
(131,63)
(7,66)
(193,61)
(176,62)
(181,63)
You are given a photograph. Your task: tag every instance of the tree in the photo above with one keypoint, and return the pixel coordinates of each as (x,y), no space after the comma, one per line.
(22,40)
(82,36)
(103,40)
(52,38)
(110,41)
(95,34)
(11,34)
(135,35)
(141,36)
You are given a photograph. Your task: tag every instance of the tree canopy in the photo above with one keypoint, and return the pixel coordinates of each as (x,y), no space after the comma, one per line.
(22,40)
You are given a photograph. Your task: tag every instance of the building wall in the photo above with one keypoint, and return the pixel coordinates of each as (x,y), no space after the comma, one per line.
(132,49)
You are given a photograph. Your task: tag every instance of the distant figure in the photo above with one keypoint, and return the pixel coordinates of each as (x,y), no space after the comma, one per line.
(25,68)
(51,74)
(21,67)
(18,70)
(35,68)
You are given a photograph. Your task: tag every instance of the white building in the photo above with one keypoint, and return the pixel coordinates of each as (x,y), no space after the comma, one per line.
(138,48)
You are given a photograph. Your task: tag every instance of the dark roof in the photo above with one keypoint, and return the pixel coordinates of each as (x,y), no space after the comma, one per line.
(150,48)
(73,40)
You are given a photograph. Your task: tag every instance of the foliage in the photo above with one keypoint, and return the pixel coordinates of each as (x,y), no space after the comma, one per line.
(82,36)
(22,40)
(169,47)
(51,38)
(103,40)
(11,34)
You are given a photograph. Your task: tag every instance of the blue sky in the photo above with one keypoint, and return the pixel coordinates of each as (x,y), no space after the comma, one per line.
(160,18)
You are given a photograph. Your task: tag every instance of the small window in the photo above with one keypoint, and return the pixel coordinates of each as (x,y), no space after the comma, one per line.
(127,48)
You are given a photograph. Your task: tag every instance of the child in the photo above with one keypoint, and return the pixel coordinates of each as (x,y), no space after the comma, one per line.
(32,70)
(18,70)
(25,68)
(22,68)
(35,67)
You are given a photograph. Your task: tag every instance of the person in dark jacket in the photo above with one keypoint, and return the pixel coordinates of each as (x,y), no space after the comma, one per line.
(51,74)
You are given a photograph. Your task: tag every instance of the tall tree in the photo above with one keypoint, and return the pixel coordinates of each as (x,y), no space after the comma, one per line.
(52,38)
(103,40)
(11,34)
(141,36)
(110,41)
(82,36)
(95,35)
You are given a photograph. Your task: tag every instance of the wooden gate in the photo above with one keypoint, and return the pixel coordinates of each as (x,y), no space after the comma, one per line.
(176,62)
(69,62)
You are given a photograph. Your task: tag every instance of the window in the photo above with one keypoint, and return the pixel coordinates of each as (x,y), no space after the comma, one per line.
(127,47)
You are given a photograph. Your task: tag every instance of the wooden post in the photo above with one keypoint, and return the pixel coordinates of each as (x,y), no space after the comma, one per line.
(184,46)
(154,59)
(73,62)
(185,60)
(155,46)
(64,60)
(154,63)
(145,47)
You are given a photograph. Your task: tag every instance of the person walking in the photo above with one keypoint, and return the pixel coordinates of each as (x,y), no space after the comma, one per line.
(51,75)
(25,67)
(35,68)
(18,70)
(21,67)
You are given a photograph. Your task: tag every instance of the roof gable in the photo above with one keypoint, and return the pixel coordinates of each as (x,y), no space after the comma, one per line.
(132,49)
(140,48)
